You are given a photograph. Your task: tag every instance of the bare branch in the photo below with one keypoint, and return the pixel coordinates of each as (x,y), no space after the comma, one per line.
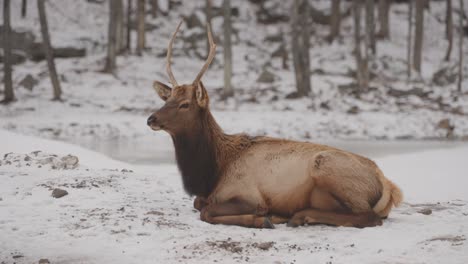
(169,56)
(211,55)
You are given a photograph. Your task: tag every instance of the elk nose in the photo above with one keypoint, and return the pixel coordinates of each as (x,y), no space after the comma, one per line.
(150,120)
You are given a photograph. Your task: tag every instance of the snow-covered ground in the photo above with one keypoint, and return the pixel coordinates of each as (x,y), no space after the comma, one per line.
(121,213)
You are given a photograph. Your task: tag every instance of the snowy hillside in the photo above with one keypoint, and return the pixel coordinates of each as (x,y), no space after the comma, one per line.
(117,105)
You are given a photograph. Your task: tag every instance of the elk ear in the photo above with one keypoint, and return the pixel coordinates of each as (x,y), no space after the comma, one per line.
(201,95)
(163,90)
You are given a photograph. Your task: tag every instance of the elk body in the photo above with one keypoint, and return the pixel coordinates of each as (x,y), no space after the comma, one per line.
(262,181)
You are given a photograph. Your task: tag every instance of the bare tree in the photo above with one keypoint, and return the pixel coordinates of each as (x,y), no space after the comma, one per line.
(154,8)
(361,64)
(228,91)
(409,37)
(111,38)
(460,49)
(208,21)
(300,46)
(418,35)
(449,29)
(129,25)
(384,12)
(140,26)
(9,93)
(370,26)
(24,5)
(48,50)
(120,37)
(335,20)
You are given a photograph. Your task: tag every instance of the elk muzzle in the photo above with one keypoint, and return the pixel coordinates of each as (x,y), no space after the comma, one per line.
(152,122)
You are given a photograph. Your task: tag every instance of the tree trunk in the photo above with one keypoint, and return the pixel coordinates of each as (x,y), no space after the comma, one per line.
(409,37)
(120,37)
(300,46)
(370,26)
(335,20)
(460,50)
(129,27)
(227,28)
(154,8)
(141,26)
(9,93)
(418,35)
(360,65)
(111,38)
(48,50)
(24,5)
(384,10)
(208,21)
(449,29)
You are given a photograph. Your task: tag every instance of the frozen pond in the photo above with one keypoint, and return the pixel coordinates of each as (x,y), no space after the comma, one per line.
(158,148)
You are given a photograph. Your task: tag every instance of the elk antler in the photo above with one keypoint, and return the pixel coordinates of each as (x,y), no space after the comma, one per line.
(211,55)
(169,56)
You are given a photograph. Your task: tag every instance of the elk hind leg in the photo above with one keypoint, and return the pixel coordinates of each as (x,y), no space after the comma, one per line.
(236,212)
(313,216)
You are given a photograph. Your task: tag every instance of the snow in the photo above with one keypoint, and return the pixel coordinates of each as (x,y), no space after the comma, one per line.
(122,213)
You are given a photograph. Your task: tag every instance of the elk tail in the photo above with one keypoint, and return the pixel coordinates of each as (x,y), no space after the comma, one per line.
(391,196)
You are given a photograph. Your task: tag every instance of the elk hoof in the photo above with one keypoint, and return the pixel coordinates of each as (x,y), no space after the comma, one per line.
(267,223)
(294,223)
(199,203)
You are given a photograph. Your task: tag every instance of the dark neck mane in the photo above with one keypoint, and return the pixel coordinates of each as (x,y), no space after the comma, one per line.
(203,153)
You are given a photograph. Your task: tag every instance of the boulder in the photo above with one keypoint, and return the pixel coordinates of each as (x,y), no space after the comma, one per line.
(266,77)
(28,82)
(59,193)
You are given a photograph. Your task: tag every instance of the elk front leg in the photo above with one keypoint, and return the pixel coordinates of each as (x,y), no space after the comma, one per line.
(200,202)
(236,212)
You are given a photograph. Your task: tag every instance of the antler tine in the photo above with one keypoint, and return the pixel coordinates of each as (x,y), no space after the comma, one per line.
(169,57)
(211,55)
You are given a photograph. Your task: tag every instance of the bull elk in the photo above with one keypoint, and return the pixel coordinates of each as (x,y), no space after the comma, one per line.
(262,181)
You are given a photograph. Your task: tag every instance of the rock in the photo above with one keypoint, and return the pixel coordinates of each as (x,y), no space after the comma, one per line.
(425,211)
(58,193)
(445,76)
(265,245)
(44,261)
(28,82)
(69,161)
(353,110)
(445,124)
(266,77)
(293,95)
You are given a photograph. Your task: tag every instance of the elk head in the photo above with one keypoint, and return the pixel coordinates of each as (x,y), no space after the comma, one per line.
(185,104)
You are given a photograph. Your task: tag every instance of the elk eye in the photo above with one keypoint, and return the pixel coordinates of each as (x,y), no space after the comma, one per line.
(184,105)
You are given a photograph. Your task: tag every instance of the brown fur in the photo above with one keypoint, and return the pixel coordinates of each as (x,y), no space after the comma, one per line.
(259,181)
(281,177)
